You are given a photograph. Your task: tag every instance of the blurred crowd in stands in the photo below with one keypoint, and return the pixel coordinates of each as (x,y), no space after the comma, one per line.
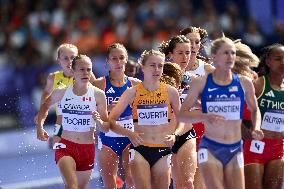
(31,30)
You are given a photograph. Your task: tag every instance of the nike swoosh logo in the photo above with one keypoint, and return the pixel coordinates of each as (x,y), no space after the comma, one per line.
(161,150)
(91,165)
(232,151)
(212,89)
(67,99)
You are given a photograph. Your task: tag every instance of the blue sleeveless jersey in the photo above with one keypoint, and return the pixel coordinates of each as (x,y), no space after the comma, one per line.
(227,101)
(113,93)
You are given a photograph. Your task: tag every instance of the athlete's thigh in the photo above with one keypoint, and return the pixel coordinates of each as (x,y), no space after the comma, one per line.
(108,161)
(175,171)
(160,173)
(126,167)
(83,178)
(211,169)
(187,159)
(273,175)
(254,175)
(67,167)
(234,171)
(140,169)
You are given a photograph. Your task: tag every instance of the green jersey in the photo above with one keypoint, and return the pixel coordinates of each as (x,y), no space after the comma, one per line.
(271,105)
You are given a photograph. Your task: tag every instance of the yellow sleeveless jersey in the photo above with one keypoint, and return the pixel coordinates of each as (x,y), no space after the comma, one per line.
(151,107)
(60,81)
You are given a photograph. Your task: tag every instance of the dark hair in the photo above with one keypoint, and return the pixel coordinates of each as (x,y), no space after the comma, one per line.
(79,57)
(263,69)
(202,32)
(168,46)
(171,74)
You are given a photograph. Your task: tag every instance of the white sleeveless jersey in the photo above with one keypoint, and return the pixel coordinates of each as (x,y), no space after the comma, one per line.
(77,110)
(200,71)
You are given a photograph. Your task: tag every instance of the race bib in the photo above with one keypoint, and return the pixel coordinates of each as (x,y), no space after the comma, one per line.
(257,146)
(58,146)
(131,154)
(152,114)
(125,122)
(229,108)
(202,155)
(273,120)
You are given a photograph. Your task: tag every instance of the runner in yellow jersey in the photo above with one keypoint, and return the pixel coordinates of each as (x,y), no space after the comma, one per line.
(152,105)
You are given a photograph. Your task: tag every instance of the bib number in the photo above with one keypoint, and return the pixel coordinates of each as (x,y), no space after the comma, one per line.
(257,146)
(131,154)
(202,155)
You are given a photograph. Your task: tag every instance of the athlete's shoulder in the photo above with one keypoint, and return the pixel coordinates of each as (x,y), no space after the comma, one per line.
(208,68)
(134,80)
(258,85)
(99,82)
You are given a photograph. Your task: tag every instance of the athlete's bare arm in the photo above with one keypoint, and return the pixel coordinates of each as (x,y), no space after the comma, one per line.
(101,115)
(48,88)
(55,97)
(251,101)
(126,98)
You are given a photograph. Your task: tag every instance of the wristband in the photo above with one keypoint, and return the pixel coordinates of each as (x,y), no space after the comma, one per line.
(57,130)
(176,136)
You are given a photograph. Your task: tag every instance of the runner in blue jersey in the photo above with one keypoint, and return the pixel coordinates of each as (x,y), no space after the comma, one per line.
(113,147)
(222,95)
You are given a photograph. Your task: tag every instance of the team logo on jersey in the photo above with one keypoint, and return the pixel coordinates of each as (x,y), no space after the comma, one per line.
(233,89)
(212,89)
(159,95)
(110,90)
(270,94)
(86,99)
(60,82)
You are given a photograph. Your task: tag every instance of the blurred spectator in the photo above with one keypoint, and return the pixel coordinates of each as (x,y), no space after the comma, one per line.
(131,68)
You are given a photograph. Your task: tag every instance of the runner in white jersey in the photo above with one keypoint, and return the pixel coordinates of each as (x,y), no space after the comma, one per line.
(197,66)
(80,104)
(177,49)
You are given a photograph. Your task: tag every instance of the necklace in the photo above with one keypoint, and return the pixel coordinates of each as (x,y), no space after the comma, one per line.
(117,82)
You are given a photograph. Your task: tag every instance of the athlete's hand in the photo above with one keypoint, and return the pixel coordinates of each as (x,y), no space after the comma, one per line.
(96,116)
(257,134)
(170,140)
(135,138)
(42,134)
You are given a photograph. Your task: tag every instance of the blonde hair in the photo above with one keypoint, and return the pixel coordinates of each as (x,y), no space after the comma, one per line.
(245,59)
(65,46)
(146,54)
(217,43)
